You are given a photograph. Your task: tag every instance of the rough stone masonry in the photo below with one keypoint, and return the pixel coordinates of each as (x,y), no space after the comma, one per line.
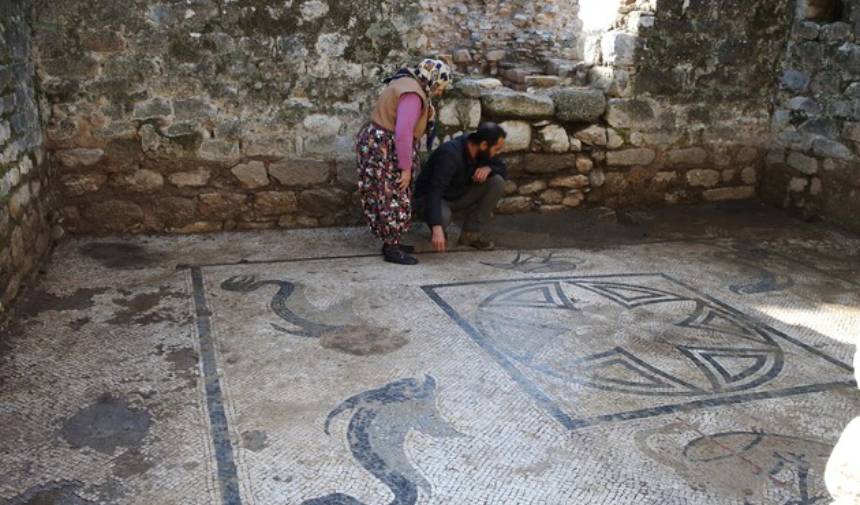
(205,116)
(25,206)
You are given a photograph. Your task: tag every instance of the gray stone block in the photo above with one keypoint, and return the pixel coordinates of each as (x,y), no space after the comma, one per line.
(795,80)
(831,149)
(632,113)
(630,157)
(836,32)
(807,30)
(507,103)
(579,104)
(802,163)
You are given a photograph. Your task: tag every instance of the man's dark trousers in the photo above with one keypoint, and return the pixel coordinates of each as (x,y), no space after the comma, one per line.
(477,204)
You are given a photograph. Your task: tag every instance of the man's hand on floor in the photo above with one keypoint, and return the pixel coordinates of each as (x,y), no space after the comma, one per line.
(481,174)
(440,243)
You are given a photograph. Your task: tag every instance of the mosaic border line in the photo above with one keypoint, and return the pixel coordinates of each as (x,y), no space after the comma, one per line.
(227,474)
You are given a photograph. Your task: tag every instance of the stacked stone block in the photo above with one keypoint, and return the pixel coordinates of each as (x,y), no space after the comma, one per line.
(25,228)
(813,164)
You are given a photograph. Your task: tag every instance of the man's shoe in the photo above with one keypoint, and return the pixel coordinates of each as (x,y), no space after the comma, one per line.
(475,240)
(395,254)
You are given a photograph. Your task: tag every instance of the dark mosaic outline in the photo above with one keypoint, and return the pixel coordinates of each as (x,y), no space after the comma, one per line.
(227,475)
(552,408)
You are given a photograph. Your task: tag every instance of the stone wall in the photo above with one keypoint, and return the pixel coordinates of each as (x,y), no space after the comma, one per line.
(676,109)
(25,229)
(689,86)
(205,115)
(813,164)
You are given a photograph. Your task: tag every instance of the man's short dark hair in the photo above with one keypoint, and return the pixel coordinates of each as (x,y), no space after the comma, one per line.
(488,132)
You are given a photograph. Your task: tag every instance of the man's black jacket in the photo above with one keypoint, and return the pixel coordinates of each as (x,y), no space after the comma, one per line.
(448,175)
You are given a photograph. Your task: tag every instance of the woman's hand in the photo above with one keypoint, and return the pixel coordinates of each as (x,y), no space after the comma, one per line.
(404,180)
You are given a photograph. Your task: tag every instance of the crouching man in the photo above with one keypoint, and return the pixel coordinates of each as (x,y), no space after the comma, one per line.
(464,174)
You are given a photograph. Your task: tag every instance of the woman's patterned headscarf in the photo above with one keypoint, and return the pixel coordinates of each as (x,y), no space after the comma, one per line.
(432,74)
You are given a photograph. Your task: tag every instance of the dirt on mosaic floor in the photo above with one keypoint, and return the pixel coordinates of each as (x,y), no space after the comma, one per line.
(687,355)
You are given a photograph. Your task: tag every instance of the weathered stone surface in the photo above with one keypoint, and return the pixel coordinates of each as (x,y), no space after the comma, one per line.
(252,174)
(82,157)
(80,184)
(665,177)
(629,157)
(746,155)
(804,164)
(552,197)
(749,175)
(152,109)
(548,163)
(703,177)
(300,172)
(815,186)
(347,172)
(805,104)
(631,113)
(796,81)
(196,178)
(220,206)
(584,164)
(593,135)
(831,149)
(519,135)
(174,211)
(618,48)
(554,139)
(507,103)
(851,131)
(269,203)
(115,215)
(613,139)
(798,184)
(322,125)
(613,81)
(687,157)
(510,187)
(514,205)
(532,187)
(19,202)
(324,202)
(581,105)
(224,151)
(461,113)
(570,181)
(573,199)
(597,178)
(807,30)
(542,81)
(735,193)
(139,181)
(848,56)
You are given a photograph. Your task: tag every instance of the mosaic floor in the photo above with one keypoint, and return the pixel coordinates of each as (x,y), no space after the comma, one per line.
(297,368)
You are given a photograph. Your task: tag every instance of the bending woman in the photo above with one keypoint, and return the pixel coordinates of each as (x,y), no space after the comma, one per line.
(387,150)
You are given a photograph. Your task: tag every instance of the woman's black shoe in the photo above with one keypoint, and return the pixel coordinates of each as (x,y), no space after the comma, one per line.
(394,254)
(408,249)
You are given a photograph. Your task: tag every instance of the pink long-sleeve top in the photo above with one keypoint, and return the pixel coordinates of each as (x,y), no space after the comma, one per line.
(408,112)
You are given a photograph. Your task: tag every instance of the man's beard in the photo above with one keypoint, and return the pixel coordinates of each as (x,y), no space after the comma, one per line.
(483,158)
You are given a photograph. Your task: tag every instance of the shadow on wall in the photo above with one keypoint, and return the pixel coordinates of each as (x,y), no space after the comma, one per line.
(821,11)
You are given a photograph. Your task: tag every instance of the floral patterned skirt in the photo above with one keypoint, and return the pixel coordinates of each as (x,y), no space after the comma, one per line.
(387,208)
